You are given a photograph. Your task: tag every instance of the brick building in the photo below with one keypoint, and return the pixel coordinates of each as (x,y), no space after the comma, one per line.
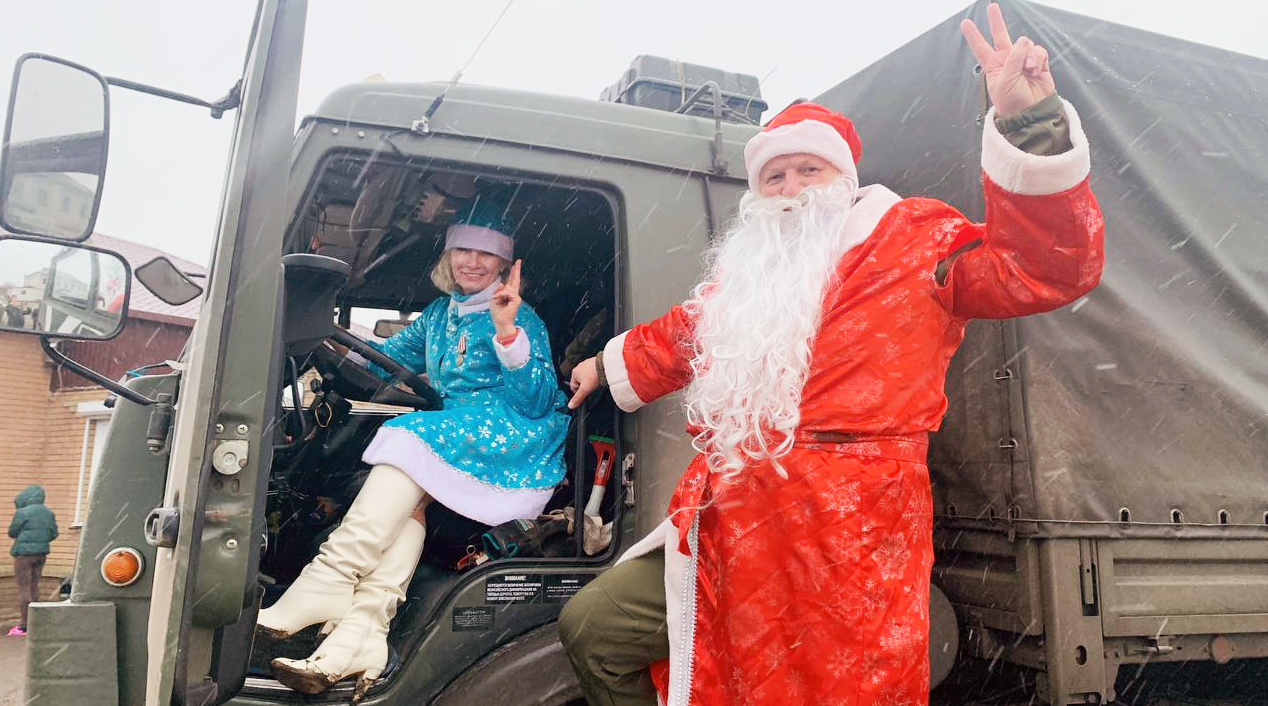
(54,421)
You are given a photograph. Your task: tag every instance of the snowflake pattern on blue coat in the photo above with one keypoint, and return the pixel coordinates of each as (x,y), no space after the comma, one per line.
(502,427)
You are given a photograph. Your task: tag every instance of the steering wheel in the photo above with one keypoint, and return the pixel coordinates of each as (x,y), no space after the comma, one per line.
(356,381)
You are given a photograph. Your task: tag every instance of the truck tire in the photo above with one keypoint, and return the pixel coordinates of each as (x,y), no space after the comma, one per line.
(534,663)
(944,636)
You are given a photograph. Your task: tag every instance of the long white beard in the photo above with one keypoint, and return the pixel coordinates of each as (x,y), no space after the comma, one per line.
(758,311)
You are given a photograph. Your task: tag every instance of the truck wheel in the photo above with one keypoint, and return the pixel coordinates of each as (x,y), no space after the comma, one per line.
(944,636)
(534,663)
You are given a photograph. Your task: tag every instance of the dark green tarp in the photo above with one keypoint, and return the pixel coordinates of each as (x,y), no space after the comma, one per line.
(1151,393)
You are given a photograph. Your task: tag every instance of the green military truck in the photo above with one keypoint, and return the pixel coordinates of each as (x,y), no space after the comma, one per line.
(218,480)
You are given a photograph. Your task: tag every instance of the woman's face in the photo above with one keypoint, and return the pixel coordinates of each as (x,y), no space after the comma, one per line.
(474,270)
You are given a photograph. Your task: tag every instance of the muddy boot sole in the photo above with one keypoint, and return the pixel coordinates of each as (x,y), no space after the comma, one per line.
(271,633)
(305,682)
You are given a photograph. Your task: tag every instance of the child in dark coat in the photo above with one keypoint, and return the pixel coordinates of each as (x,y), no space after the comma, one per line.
(32,529)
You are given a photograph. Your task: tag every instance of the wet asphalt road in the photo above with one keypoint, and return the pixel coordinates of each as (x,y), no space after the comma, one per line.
(12,670)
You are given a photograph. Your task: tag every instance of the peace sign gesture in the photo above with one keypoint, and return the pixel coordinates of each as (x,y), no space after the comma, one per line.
(506,302)
(1017,73)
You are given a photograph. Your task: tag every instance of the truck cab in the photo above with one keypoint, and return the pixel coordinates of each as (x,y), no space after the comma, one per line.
(601,191)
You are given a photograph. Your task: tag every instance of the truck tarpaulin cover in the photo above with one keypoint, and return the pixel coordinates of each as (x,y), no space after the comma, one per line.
(1149,396)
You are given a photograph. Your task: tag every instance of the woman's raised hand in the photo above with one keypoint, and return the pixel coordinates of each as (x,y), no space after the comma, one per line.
(1017,73)
(506,302)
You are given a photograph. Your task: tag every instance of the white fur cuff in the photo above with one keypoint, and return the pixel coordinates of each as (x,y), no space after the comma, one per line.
(618,376)
(1030,174)
(514,355)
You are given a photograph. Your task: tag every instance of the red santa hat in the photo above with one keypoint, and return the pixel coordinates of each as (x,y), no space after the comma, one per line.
(805,128)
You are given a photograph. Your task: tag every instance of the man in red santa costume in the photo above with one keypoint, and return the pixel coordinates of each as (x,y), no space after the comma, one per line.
(797,549)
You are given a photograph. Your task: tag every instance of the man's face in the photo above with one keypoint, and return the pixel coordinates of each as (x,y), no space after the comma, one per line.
(788,174)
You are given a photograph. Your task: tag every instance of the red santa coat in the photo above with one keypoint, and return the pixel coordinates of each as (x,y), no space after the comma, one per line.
(814,589)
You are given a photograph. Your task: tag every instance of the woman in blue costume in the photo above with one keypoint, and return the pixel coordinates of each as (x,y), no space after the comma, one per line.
(493,453)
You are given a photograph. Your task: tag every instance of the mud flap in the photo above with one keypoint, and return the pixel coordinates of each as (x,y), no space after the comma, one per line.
(72,656)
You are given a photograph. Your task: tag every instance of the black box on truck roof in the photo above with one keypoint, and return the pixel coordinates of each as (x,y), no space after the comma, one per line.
(1142,409)
(665,84)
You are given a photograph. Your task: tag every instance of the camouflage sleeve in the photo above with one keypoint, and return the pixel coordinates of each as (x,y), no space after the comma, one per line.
(1041,129)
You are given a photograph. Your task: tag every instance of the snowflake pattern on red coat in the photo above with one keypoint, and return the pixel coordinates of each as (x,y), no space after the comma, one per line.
(815,588)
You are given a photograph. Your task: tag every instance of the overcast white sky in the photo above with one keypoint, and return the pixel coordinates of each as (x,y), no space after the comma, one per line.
(167,159)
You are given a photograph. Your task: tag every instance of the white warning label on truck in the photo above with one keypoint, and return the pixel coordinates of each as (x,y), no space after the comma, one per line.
(513,588)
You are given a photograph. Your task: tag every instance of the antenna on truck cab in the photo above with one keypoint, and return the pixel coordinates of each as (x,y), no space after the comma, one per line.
(422,126)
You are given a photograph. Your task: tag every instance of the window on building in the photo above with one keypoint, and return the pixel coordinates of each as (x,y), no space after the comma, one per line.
(96,425)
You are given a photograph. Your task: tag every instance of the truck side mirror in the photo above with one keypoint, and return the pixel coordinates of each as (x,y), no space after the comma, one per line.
(67,291)
(167,282)
(53,157)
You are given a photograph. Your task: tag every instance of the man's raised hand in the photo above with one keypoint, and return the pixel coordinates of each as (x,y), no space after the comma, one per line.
(585,379)
(1017,73)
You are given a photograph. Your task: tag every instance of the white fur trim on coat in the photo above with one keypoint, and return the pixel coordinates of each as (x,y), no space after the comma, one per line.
(804,137)
(665,538)
(871,204)
(654,540)
(451,487)
(618,376)
(1031,174)
(515,354)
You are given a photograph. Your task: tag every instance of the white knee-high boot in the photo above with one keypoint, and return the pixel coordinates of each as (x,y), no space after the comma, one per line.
(324,588)
(358,644)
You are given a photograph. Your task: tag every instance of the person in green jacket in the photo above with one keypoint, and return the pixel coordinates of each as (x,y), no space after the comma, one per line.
(32,529)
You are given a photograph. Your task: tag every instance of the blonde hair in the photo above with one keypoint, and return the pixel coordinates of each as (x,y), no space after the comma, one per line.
(442,273)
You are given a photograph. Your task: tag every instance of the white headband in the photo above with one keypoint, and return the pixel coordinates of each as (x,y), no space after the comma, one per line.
(471,237)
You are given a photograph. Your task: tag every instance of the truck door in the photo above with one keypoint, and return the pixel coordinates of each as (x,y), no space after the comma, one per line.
(208,530)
